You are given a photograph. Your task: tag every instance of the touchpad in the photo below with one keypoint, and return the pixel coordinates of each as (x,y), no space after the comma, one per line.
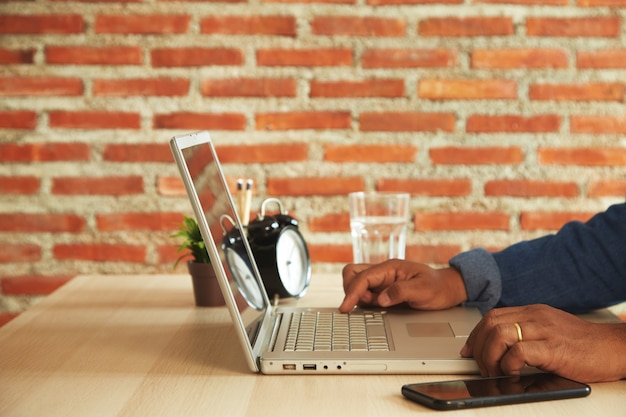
(429,330)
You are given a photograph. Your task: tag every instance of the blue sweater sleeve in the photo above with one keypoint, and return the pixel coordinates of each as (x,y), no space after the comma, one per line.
(580,268)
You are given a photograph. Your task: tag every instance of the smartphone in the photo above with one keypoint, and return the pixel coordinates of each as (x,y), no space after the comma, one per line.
(483,392)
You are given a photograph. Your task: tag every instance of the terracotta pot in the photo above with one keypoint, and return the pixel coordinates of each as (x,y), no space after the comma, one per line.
(206,290)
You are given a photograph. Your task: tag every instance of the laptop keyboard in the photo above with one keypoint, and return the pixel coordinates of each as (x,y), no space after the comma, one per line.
(331,331)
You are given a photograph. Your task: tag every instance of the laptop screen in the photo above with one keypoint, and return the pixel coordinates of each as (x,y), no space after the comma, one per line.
(216,214)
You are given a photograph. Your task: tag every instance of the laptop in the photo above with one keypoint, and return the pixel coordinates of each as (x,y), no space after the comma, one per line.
(371,341)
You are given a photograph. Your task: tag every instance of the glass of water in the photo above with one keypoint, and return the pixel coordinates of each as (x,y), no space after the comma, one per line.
(378,222)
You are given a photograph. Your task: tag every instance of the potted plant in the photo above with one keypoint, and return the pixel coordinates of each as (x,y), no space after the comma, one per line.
(205,286)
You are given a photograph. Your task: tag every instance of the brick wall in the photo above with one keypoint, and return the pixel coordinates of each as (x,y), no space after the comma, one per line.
(504,119)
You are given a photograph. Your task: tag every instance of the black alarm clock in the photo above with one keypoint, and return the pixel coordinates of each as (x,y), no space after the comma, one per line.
(280,252)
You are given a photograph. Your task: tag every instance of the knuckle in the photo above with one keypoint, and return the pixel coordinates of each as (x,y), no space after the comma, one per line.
(395,292)
(491,318)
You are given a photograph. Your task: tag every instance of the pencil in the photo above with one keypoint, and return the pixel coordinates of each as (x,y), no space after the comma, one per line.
(247,202)
(240,199)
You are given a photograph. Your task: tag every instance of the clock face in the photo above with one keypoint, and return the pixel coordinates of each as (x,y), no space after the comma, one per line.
(292,261)
(244,278)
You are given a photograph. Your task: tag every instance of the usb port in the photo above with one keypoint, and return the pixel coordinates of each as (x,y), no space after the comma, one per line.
(289,366)
(309,367)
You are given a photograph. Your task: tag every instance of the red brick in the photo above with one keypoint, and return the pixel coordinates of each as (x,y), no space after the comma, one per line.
(582,156)
(446,89)
(543,220)
(530,188)
(304,57)
(358,26)
(513,124)
(601,3)
(598,124)
(578,92)
(141,87)
(99,252)
(607,27)
(168,254)
(409,58)
(477,156)
(138,221)
(171,187)
(40,86)
(94,120)
(328,223)
(142,24)
(314,186)
(33,284)
(527,2)
(440,221)
(195,57)
(249,25)
(365,88)
(191,2)
(605,188)
(41,24)
(18,119)
(407,122)
(303,120)
(44,152)
(405,2)
(10,252)
(468,26)
(19,184)
(330,253)
(370,153)
(519,58)
(439,187)
(47,223)
(200,121)
(86,55)
(249,87)
(263,153)
(431,254)
(17,56)
(97,186)
(311,1)
(149,152)
(608,58)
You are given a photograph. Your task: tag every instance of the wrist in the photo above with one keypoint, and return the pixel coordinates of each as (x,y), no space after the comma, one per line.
(455,285)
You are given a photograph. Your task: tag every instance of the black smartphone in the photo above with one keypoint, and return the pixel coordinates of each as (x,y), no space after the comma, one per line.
(483,392)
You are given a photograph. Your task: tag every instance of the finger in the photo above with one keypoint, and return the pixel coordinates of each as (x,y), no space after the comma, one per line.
(367,282)
(396,293)
(532,353)
(410,291)
(499,341)
(357,289)
(478,333)
(476,340)
(355,295)
(350,272)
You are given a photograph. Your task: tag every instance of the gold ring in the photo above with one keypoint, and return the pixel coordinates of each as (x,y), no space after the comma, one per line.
(519,332)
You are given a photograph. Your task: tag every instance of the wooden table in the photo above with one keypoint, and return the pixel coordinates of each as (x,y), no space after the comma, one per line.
(136,346)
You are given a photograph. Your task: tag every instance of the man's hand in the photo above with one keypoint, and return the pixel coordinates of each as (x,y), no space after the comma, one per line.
(551,340)
(396,281)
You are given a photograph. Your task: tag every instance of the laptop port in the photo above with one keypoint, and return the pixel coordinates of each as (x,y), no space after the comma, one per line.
(289,366)
(309,367)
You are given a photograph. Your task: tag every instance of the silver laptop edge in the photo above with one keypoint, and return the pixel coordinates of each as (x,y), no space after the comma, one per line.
(177,144)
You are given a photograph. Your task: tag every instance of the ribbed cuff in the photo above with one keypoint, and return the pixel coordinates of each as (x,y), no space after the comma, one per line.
(482,278)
